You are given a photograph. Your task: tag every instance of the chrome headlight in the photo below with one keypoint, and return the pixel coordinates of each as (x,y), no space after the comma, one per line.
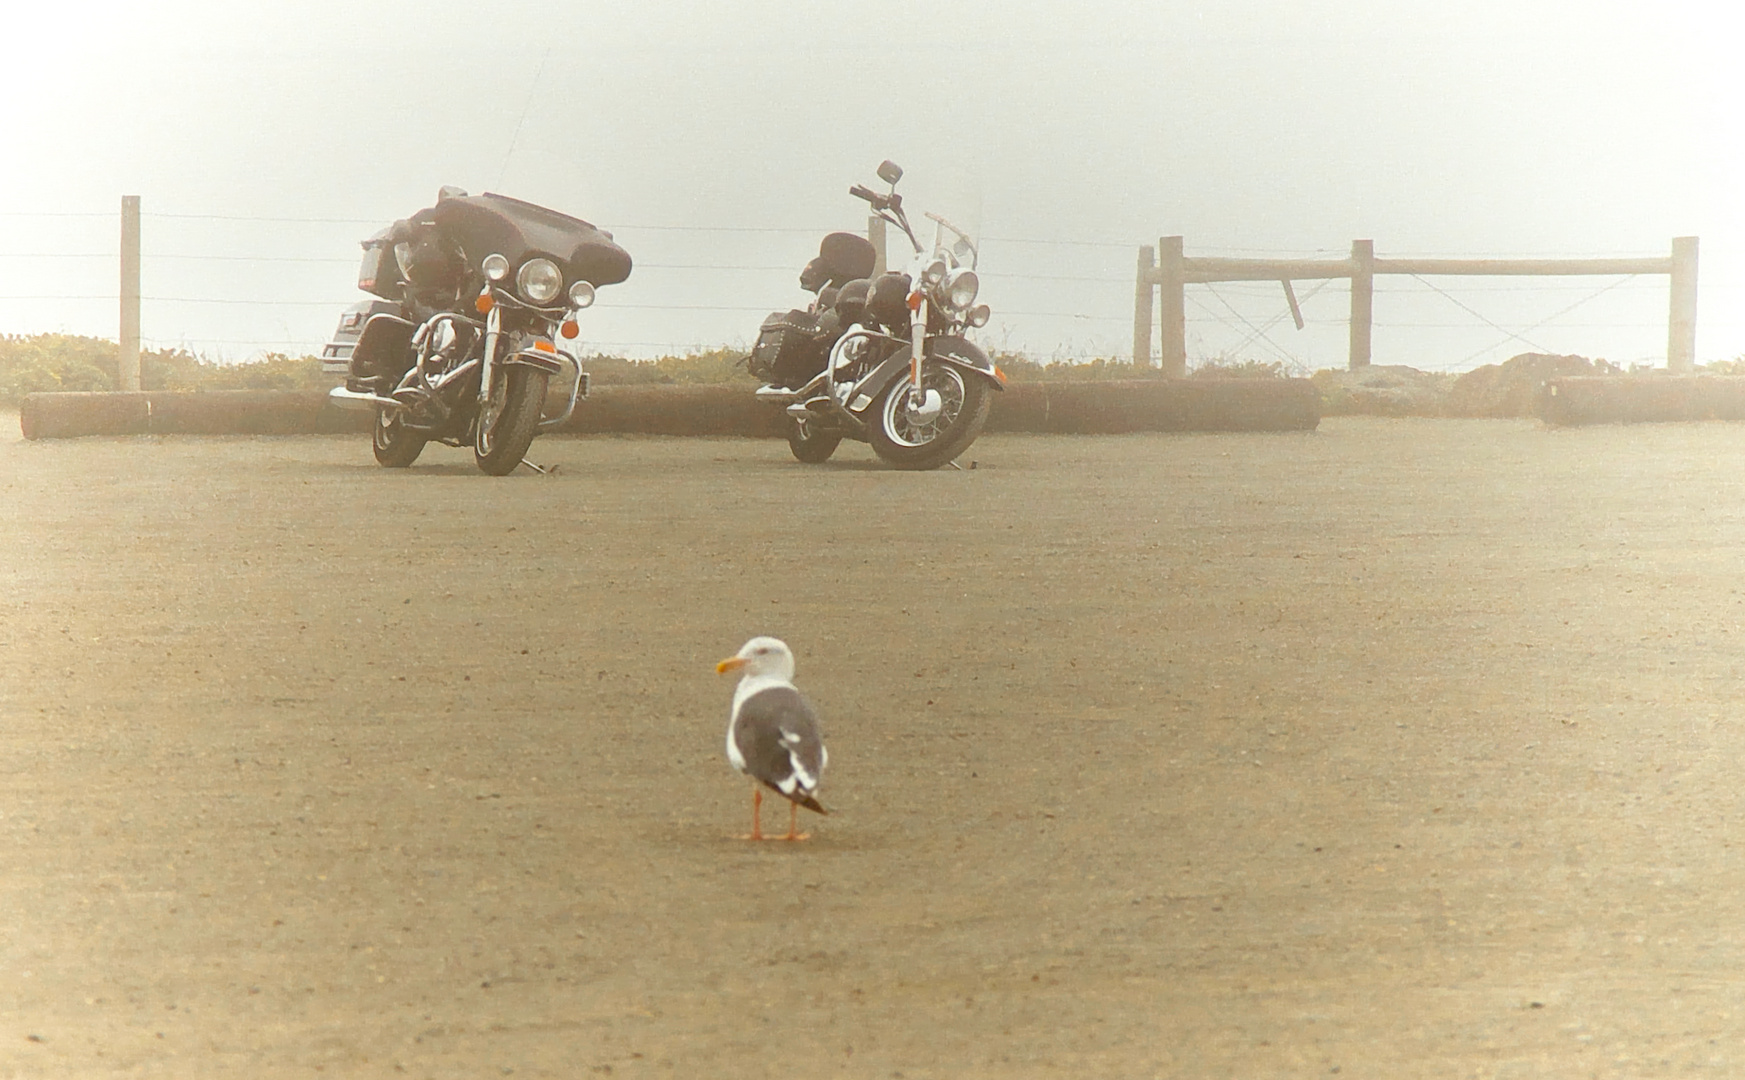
(979,315)
(496,267)
(960,289)
(539,281)
(581,295)
(935,272)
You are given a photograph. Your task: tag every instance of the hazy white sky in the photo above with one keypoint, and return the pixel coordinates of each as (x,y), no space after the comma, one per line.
(717,141)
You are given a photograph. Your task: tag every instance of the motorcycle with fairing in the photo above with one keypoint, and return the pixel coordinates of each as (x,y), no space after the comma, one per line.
(478,290)
(882,358)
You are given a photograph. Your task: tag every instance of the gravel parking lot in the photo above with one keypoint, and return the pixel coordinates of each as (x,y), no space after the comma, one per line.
(1399,748)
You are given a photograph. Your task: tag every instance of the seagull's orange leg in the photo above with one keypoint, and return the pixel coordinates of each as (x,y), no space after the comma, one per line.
(794,823)
(756,813)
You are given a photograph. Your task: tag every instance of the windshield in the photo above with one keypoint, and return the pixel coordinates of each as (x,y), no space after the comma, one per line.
(953,243)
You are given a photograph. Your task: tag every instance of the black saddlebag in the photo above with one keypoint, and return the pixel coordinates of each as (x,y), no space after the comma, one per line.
(790,349)
(383,349)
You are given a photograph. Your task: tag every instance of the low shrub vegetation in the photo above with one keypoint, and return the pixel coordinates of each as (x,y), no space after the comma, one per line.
(56,362)
(49,362)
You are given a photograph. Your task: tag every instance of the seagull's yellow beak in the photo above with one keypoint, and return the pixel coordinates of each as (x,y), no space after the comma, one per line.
(732,663)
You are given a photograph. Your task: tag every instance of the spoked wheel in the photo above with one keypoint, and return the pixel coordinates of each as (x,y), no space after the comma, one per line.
(925,429)
(809,444)
(509,418)
(395,444)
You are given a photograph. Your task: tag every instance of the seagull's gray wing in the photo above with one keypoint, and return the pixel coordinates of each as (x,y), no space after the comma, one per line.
(777,734)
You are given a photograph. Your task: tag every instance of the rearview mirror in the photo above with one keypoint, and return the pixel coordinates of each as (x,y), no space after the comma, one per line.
(890,172)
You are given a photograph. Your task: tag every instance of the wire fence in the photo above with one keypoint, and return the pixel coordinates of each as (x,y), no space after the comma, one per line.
(698,287)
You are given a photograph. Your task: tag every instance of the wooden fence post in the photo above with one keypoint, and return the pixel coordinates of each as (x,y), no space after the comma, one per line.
(875,234)
(1681,323)
(128,372)
(1171,277)
(1362,301)
(1143,284)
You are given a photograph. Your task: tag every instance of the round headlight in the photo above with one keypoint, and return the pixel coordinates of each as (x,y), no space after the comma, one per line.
(496,267)
(979,315)
(935,272)
(961,287)
(539,281)
(581,295)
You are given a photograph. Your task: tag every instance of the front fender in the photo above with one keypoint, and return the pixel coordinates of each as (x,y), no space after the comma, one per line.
(957,351)
(961,352)
(539,361)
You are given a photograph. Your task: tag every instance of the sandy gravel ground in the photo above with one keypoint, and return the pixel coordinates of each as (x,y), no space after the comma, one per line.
(1399,749)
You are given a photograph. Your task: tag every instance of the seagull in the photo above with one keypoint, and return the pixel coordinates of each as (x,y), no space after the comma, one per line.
(772,734)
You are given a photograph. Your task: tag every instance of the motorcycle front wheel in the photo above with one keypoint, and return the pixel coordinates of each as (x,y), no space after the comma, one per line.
(395,444)
(927,429)
(809,444)
(508,419)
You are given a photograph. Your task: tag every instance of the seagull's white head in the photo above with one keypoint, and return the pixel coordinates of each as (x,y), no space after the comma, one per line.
(761,656)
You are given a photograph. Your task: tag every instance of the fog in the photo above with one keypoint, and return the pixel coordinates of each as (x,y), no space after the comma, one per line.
(717,143)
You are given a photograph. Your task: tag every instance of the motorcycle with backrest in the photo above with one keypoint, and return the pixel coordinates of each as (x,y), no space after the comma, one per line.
(882,357)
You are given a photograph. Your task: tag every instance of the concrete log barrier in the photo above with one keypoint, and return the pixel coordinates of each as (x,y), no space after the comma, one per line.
(1126,406)
(164,412)
(1618,399)
(1089,408)
(672,409)
(66,415)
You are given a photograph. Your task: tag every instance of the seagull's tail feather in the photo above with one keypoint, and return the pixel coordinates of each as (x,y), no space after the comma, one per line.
(803,798)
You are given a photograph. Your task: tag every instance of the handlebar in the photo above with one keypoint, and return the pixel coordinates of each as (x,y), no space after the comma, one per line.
(861,191)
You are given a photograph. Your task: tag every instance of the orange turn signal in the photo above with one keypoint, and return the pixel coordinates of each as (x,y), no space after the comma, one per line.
(569,329)
(915,300)
(485,303)
(545,346)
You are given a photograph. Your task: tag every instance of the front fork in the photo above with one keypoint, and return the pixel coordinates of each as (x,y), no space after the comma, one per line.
(917,338)
(488,364)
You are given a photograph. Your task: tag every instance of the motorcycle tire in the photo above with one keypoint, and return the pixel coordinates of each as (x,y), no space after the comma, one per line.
(905,441)
(395,444)
(813,448)
(509,419)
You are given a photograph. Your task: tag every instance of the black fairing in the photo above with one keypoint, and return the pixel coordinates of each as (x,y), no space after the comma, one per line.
(497,224)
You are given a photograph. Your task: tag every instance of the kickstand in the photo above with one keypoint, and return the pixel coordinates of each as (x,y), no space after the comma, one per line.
(549,471)
(955,465)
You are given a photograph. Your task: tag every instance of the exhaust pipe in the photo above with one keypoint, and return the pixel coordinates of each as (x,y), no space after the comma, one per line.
(360,402)
(776,395)
(823,408)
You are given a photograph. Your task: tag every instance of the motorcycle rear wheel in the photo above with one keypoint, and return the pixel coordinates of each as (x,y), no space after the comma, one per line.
(508,419)
(906,440)
(810,445)
(395,444)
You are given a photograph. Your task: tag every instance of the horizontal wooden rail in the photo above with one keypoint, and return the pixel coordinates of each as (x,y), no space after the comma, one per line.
(1203,270)
(1524,267)
(1166,267)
